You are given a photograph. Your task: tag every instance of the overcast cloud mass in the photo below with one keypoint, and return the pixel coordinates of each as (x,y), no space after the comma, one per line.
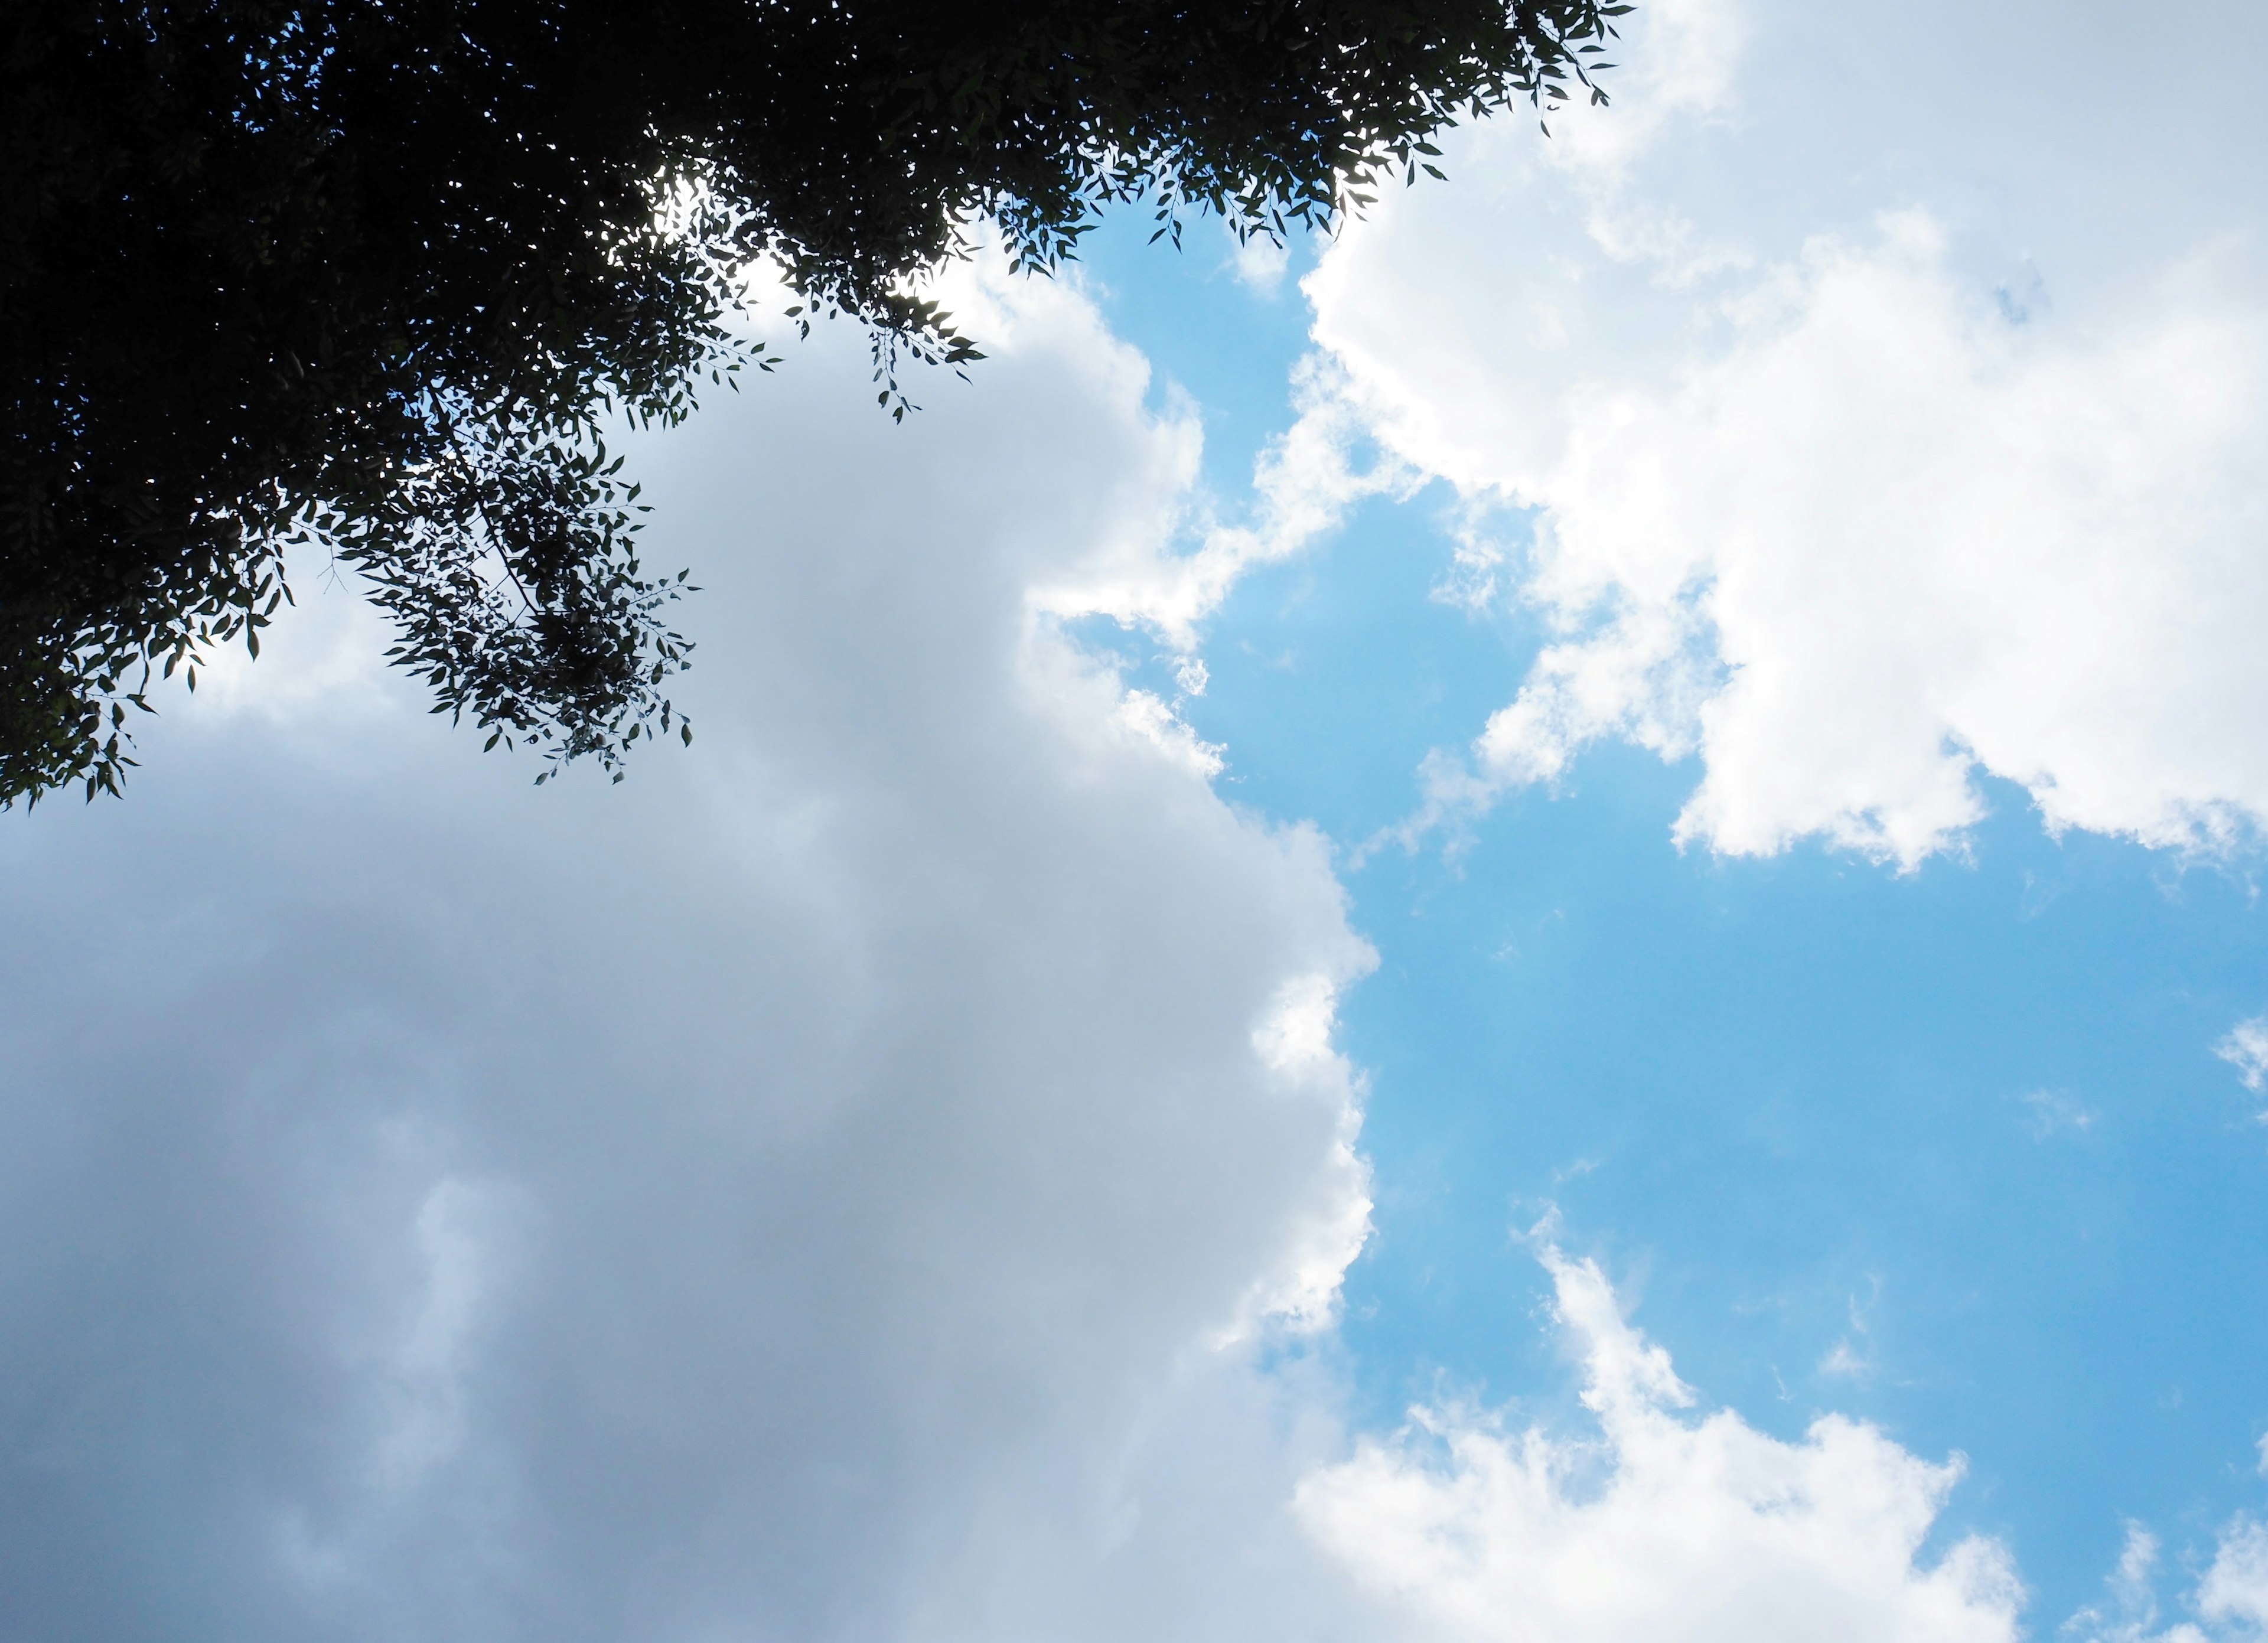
(788,1195)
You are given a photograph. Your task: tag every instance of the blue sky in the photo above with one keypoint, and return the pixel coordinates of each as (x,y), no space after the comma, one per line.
(1478,940)
(1964,1125)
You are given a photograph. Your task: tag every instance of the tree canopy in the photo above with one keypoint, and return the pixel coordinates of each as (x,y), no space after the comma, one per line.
(374,276)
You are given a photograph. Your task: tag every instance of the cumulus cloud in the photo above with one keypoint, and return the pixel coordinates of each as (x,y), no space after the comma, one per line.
(1661,1525)
(2235,1587)
(834,1185)
(2245,1048)
(1845,511)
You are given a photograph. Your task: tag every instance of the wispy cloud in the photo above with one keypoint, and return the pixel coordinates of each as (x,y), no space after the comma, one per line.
(2053,1113)
(2230,1600)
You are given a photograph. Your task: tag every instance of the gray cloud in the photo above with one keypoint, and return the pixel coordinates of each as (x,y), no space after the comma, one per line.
(788,1196)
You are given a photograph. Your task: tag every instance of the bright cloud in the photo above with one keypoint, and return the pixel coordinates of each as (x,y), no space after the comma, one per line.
(2230,1600)
(1306,482)
(1663,1526)
(2246,1048)
(1852,515)
(2235,1587)
(1258,263)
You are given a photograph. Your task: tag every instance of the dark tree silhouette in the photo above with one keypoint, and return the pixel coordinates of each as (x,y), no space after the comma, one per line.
(372,277)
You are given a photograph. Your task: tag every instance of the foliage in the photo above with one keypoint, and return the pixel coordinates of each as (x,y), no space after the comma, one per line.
(370,277)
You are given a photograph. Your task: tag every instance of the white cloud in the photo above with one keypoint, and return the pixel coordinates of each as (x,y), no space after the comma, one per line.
(1258,263)
(2246,1048)
(2230,1599)
(1304,482)
(1842,508)
(1155,720)
(1665,1526)
(1682,69)
(2235,1587)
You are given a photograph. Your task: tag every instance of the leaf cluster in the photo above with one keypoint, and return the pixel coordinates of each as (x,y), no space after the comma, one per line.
(371,278)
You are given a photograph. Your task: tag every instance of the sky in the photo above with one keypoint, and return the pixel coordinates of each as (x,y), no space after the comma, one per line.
(1540,925)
